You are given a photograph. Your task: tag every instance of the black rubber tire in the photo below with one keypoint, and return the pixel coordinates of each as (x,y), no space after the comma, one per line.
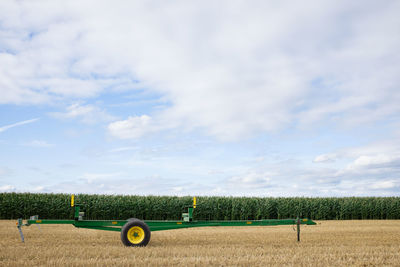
(135,223)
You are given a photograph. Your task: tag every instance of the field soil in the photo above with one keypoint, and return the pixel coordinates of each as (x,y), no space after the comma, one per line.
(329,243)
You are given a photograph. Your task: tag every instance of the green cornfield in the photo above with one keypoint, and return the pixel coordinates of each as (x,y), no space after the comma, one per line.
(107,207)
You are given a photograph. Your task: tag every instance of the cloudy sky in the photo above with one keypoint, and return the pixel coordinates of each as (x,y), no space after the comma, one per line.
(243,98)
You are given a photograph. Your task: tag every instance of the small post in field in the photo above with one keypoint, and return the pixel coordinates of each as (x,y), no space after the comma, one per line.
(298,229)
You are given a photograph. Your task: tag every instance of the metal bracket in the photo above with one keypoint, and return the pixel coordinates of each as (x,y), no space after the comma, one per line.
(35,217)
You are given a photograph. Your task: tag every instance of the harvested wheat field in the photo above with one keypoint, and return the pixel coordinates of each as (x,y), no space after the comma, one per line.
(329,243)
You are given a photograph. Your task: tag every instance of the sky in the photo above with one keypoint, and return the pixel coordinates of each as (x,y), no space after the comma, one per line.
(227,98)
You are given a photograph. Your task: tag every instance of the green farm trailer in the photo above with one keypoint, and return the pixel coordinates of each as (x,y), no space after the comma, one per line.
(137,233)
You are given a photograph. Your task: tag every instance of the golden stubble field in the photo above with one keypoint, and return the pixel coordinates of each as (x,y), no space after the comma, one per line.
(330,243)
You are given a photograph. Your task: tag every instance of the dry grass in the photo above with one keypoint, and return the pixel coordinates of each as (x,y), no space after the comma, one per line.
(330,243)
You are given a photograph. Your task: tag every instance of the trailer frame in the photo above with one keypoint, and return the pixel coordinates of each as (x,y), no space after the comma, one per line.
(135,232)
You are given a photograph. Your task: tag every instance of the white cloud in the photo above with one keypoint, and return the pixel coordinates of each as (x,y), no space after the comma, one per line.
(4,171)
(371,169)
(375,165)
(89,114)
(123,149)
(38,189)
(38,143)
(250,180)
(92,177)
(7,188)
(385,184)
(255,68)
(5,128)
(366,161)
(177,189)
(325,158)
(222,69)
(133,127)
(117,183)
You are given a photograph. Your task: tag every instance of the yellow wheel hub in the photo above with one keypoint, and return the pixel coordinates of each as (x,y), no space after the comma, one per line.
(135,235)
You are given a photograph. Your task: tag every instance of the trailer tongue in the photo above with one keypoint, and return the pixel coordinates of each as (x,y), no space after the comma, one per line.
(136,233)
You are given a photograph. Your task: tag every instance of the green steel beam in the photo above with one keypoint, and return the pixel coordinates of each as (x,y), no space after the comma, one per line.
(167,225)
(30,222)
(116,225)
(100,223)
(116,229)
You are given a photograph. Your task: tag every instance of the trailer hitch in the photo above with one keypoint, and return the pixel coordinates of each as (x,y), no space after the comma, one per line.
(20,223)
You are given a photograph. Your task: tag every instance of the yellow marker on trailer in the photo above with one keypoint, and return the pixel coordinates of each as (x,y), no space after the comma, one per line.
(194,202)
(72,200)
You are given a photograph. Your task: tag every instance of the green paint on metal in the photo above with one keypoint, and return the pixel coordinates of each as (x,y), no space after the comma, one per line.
(116,225)
(30,222)
(154,225)
(167,225)
(77,209)
(115,229)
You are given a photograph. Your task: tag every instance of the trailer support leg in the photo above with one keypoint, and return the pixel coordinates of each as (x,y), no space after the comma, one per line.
(19,225)
(298,229)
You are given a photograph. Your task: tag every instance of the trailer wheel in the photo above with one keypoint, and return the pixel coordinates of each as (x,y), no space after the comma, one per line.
(135,233)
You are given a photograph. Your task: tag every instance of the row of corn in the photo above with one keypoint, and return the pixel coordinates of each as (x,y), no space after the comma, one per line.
(107,207)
